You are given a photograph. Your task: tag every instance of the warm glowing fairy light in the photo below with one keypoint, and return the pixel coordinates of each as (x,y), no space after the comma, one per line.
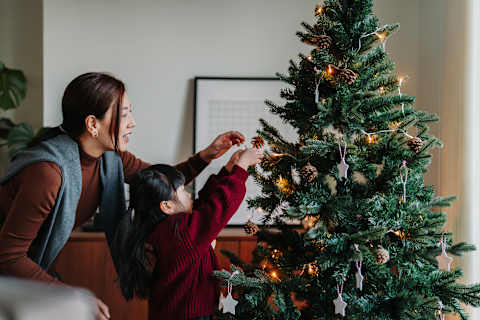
(330,69)
(274,275)
(380,36)
(318,10)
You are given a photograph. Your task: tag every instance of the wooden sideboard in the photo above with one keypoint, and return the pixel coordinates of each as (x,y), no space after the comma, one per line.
(85,262)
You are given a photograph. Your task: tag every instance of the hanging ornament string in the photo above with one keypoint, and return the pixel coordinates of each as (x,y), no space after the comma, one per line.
(227,304)
(440,309)
(230,286)
(403,179)
(340,288)
(343,165)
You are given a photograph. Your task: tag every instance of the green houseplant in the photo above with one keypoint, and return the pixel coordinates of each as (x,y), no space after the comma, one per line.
(13,89)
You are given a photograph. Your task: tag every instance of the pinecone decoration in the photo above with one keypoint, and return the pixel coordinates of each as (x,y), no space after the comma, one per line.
(415,144)
(324,42)
(382,255)
(251,228)
(258,142)
(309,173)
(348,76)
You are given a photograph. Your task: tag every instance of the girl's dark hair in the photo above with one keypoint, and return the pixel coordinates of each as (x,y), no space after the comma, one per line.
(148,189)
(91,93)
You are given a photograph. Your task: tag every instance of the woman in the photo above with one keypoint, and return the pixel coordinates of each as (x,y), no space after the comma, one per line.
(60,181)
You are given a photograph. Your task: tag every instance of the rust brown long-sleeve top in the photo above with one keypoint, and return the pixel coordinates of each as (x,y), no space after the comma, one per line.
(27,199)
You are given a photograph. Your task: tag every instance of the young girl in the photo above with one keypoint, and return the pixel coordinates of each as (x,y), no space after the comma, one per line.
(176,274)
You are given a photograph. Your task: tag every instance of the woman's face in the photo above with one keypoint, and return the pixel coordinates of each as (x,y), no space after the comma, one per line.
(125,127)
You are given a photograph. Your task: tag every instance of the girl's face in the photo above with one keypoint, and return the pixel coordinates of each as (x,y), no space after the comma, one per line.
(125,127)
(184,200)
(182,203)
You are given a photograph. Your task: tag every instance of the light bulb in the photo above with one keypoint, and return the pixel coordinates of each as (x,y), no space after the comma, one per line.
(330,69)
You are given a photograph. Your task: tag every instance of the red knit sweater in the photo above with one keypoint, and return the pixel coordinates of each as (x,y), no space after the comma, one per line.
(184,286)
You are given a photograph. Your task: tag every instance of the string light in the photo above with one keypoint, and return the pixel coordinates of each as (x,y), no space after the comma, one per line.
(319,10)
(283,186)
(381,90)
(380,36)
(400,81)
(383,131)
(274,275)
(310,58)
(372,138)
(330,69)
(369,34)
(312,269)
(276,254)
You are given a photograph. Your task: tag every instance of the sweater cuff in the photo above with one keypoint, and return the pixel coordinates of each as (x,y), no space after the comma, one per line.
(240,173)
(198,163)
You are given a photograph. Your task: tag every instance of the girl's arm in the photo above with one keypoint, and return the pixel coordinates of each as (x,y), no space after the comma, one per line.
(215,207)
(36,191)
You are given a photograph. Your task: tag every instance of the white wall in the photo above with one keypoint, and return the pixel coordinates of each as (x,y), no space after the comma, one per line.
(158,47)
(21,48)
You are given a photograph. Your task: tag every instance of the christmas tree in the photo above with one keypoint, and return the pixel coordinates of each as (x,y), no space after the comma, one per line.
(373,244)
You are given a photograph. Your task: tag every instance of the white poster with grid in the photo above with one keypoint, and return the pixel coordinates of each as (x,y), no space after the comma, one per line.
(228,104)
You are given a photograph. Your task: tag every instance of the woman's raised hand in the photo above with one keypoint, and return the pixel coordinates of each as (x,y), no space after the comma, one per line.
(222,144)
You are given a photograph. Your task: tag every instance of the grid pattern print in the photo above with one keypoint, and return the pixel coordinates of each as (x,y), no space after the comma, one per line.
(243,116)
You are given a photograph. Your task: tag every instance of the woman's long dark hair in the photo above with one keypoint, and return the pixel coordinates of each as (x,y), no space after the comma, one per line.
(91,93)
(148,189)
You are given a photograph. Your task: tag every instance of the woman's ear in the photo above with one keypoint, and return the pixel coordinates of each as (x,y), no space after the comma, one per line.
(91,125)
(167,207)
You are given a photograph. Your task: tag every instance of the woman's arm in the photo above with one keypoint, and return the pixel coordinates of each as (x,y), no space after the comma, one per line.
(190,168)
(35,192)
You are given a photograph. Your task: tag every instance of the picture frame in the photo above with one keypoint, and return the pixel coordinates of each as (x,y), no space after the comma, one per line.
(222,104)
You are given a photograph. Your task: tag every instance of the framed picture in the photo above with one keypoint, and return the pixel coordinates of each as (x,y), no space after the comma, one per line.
(224,104)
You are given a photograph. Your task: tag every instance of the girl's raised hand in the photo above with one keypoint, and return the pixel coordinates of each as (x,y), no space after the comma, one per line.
(249,157)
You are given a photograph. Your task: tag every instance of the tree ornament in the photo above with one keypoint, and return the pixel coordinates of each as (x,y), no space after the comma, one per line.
(309,222)
(250,228)
(228,304)
(258,142)
(340,305)
(309,172)
(348,76)
(382,255)
(415,144)
(319,10)
(342,166)
(322,41)
(444,261)
(358,276)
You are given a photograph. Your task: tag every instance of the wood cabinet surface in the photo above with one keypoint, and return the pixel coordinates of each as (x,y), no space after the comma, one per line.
(85,262)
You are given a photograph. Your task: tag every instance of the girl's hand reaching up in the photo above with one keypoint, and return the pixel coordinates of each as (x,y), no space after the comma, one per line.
(244,158)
